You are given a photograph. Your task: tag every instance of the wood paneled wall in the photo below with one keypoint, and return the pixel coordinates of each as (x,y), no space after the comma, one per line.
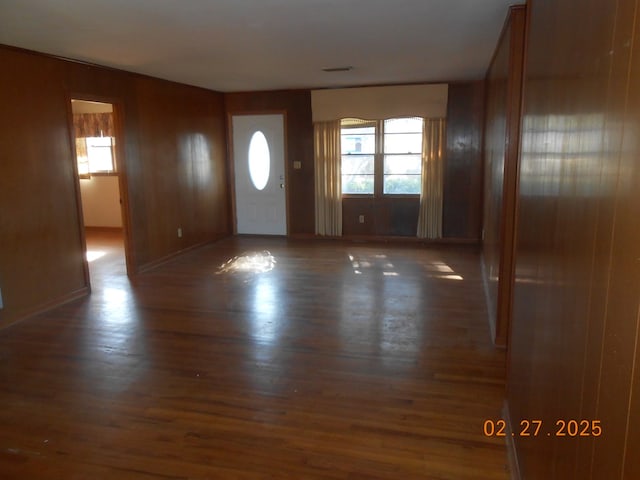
(501,150)
(462,194)
(174,167)
(299,131)
(383,216)
(462,180)
(40,244)
(181,170)
(575,330)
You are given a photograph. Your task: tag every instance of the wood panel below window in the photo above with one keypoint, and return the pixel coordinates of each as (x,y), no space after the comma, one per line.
(383,216)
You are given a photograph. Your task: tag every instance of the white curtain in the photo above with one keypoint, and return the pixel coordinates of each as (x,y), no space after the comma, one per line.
(328,179)
(433,143)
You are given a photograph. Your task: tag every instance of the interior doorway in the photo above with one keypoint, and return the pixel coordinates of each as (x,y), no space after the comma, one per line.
(96,137)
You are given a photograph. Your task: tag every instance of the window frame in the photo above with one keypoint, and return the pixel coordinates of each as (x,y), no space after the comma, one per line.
(97,173)
(375,125)
(378,164)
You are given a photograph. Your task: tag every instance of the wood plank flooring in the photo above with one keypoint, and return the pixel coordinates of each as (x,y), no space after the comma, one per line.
(298,360)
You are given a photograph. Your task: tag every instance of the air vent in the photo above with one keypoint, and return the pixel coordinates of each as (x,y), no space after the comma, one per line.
(337,69)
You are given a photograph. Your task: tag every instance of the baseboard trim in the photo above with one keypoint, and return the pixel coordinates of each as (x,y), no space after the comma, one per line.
(46,306)
(104,229)
(512,453)
(167,258)
(388,238)
(491,311)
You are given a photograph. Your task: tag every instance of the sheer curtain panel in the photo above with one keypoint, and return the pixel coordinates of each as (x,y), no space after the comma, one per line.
(430,216)
(328,179)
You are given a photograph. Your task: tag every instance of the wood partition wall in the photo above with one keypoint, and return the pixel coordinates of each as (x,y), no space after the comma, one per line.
(573,352)
(297,105)
(174,168)
(388,216)
(501,150)
(462,182)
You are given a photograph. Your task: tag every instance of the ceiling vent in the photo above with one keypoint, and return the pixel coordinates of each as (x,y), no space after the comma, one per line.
(337,69)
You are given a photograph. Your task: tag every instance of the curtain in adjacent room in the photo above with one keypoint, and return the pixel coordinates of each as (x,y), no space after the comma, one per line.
(93,124)
(430,216)
(328,179)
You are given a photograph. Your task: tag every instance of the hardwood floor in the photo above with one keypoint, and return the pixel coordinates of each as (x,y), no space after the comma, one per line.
(297,360)
(105,252)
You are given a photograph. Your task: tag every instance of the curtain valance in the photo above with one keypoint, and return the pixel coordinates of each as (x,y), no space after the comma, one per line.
(427,101)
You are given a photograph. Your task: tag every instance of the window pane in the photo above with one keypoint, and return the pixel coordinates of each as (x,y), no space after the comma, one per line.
(362,164)
(99,153)
(403,125)
(83,168)
(259,160)
(369,130)
(362,184)
(403,143)
(358,140)
(402,184)
(399,164)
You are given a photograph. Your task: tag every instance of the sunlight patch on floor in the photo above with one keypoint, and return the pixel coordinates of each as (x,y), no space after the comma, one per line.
(443,271)
(253,262)
(373,262)
(94,255)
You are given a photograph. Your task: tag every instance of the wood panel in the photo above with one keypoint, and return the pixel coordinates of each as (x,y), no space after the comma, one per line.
(297,105)
(182,170)
(501,150)
(462,212)
(40,242)
(41,259)
(309,370)
(462,182)
(573,346)
(625,249)
(384,216)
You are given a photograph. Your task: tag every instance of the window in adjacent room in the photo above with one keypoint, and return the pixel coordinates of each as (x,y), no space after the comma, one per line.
(382,157)
(94,135)
(100,154)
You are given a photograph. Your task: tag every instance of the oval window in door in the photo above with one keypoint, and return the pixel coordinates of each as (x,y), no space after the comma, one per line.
(259,160)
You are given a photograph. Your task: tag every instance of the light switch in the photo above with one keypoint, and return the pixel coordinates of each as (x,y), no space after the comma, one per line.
(297,164)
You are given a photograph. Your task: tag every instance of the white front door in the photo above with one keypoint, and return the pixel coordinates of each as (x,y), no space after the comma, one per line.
(258,151)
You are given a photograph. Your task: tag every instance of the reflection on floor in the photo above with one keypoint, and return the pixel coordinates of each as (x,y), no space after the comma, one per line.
(105,253)
(339,361)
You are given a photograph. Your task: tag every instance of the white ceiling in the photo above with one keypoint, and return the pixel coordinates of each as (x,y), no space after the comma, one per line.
(242,45)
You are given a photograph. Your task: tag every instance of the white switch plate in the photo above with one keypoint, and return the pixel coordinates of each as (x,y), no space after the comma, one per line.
(361,218)
(179,232)
(297,164)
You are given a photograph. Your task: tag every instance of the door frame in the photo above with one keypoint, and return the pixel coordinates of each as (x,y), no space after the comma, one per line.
(121,172)
(232,162)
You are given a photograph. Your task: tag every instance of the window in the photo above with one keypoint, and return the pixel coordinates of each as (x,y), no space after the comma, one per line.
(259,160)
(402,156)
(93,127)
(358,145)
(95,155)
(382,157)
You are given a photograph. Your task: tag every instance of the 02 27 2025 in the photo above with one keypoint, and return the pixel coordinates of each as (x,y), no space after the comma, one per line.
(536,427)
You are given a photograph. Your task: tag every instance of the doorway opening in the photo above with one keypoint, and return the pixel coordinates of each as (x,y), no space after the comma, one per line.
(98,152)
